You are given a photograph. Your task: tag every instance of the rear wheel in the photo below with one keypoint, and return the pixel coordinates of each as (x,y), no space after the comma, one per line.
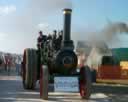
(44,82)
(85,82)
(29,69)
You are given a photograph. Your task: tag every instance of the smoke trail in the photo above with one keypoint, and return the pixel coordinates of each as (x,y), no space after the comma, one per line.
(106,36)
(109,32)
(100,46)
(99,41)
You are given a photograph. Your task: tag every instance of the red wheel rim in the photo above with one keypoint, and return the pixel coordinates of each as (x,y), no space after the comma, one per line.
(41,81)
(82,87)
(23,67)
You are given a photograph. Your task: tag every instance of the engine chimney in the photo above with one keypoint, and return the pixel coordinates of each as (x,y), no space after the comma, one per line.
(67,42)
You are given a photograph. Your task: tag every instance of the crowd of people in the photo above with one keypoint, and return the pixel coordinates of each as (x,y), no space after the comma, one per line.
(11,62)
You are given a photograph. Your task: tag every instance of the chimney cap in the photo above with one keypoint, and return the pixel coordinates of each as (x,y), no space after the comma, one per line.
(67,10)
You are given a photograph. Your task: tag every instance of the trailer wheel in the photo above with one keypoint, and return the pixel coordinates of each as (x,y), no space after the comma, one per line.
(44,82)
(29,69)
(85,82)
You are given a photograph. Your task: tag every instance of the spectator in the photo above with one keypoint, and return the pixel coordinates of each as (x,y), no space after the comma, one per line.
(8,63)
(18,65)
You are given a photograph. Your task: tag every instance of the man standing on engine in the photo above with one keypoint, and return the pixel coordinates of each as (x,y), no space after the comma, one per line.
(40,44)
(41,39)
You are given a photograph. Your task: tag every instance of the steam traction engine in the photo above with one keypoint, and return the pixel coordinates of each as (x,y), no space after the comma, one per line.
(47,62)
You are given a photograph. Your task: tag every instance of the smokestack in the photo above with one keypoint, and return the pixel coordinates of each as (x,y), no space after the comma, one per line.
(67,24)
(67,42)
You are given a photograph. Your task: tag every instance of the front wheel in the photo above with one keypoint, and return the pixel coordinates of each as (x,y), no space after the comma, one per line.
(44,82)
(29,68)
(85,82)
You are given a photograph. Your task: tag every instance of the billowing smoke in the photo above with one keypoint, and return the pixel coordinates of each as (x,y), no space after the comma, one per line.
(100,43)
(103,38)
(100,40)
(111,31)
(107,35)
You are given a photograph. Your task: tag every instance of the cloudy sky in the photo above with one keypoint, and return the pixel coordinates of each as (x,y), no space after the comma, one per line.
(20,20)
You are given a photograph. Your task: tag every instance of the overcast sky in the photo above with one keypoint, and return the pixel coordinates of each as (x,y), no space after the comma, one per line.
(20,20)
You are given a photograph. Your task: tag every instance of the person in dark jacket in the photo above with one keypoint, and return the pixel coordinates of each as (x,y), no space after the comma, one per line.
(41,39)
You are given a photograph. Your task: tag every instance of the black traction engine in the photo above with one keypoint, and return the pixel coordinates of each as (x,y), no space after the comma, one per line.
(54,57)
